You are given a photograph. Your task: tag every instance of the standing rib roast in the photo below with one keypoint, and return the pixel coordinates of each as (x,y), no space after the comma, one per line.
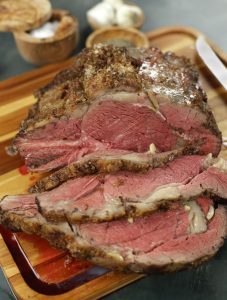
(126,134)
(114,102)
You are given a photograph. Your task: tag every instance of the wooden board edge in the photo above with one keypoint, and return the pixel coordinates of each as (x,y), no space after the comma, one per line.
(94,289)
(33,74)
(189,31)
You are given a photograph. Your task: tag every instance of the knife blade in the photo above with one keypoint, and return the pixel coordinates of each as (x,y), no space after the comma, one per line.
(211,60)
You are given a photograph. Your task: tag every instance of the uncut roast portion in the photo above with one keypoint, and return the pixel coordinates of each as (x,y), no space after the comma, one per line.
(115,102)
(131,144)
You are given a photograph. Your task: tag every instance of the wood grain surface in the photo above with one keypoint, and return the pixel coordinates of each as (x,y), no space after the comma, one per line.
(15,99)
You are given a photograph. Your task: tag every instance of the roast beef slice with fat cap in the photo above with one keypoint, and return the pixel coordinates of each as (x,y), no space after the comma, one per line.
(111,162)
(104,197)
(182,236)
(117,98)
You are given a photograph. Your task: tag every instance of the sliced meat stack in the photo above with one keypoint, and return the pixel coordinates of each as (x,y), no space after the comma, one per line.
(117,99)
(126,133)
(182,236)
(185,228)
(103,197)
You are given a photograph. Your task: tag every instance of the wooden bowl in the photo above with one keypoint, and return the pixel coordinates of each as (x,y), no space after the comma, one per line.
(49,50)
(118,36)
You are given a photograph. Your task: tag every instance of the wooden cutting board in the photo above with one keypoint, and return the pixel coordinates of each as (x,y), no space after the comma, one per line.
(52,266)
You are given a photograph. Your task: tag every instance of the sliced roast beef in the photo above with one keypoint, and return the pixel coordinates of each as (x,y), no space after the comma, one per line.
(117,99)
(110,161)
(182,236)
(103,197)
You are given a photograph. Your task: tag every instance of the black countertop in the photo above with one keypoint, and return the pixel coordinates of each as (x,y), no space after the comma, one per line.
(210,17)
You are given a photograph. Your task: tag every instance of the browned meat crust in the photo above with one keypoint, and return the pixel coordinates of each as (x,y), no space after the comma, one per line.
(97,71)
(88,166)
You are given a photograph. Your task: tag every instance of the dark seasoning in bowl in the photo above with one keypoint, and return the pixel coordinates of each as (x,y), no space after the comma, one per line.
(119,43)
(118,36)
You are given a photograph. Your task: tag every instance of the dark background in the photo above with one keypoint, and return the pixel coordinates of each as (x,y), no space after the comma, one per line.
(209,281)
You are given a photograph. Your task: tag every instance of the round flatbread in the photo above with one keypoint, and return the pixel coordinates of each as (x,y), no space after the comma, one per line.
(20,15)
